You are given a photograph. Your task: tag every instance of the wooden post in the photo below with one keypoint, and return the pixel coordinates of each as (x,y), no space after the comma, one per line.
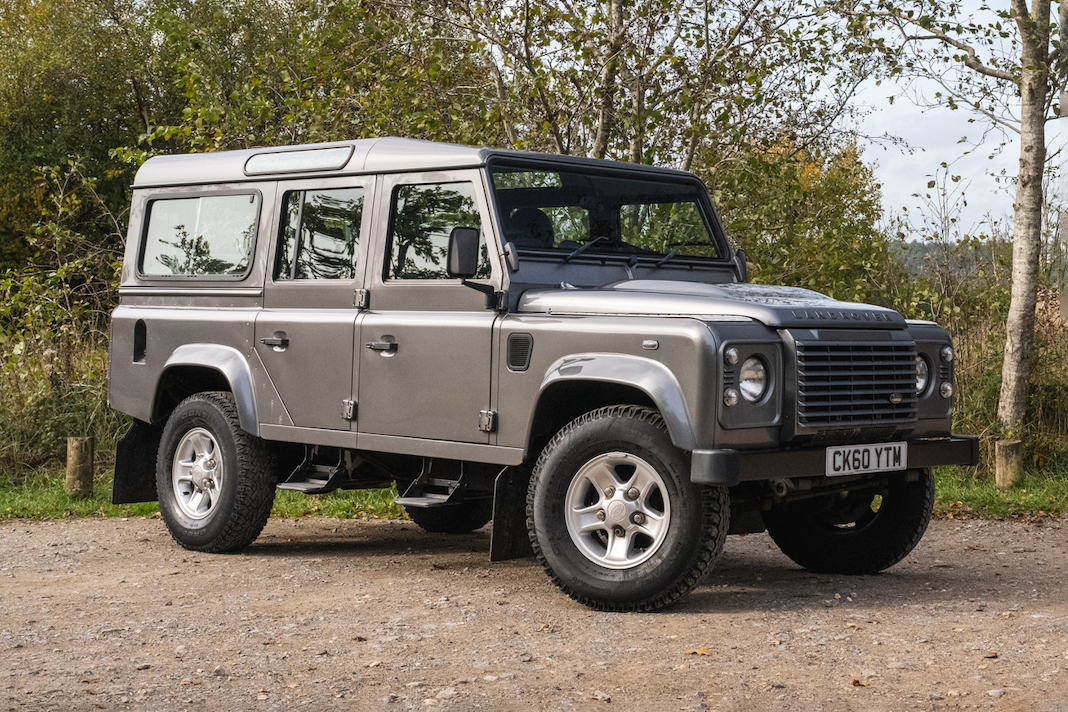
(1008,456)
(79,482)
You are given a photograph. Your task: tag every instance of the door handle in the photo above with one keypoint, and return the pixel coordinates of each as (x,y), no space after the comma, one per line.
(382,345)
(280,342)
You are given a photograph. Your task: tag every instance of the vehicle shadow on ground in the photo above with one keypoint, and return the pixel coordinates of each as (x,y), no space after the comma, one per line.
(751,576)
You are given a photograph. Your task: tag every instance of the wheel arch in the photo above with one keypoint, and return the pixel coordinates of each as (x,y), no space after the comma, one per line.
(579,383)
(193,368)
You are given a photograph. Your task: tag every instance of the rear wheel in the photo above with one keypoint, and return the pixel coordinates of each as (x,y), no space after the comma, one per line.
(856,534)
(467,516)
(215,481)
(613,516)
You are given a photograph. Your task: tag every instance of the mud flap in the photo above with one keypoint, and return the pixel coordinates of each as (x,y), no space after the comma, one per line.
(135,464)
(509,538)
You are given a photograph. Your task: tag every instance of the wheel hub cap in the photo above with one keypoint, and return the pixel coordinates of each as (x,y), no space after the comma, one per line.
(617,510)
(196,475)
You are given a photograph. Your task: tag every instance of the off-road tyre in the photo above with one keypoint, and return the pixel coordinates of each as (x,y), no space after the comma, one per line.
(246,488)
(835,536)
(690,542)
(467,516)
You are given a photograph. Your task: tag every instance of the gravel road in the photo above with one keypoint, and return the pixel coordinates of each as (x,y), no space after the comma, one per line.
(347,614)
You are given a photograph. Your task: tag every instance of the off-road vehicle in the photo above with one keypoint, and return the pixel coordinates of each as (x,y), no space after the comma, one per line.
(568,347)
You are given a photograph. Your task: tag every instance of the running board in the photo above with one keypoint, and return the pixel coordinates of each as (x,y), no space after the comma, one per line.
(426,491)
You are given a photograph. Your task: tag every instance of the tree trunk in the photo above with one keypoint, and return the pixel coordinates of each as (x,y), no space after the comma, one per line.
(1027,232)
(606,111)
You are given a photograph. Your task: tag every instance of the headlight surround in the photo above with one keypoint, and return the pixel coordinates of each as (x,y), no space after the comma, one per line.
(753,379)
(923,375)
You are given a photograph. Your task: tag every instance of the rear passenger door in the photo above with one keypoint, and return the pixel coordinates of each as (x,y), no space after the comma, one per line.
(306,331)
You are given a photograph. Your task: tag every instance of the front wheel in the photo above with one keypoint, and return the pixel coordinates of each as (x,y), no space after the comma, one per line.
(215,481)
(613,516)
(856,533)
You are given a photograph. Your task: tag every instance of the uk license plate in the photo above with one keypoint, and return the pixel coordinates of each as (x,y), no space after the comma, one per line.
(863,459)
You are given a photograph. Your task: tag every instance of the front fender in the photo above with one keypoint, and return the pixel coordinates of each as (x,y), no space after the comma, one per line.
(234,368)
(649,376)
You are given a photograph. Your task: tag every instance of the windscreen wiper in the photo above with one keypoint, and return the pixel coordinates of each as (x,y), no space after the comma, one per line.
(582,248)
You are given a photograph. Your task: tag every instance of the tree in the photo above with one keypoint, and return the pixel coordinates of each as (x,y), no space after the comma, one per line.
(658,81)
(1008,66)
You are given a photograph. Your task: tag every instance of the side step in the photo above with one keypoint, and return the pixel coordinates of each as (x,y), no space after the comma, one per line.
(426,491)
(312,478)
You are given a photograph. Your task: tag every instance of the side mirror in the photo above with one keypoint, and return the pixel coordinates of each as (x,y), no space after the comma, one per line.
(740,265)
(463,252)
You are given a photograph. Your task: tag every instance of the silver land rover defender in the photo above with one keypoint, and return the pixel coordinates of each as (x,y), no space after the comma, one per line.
(568,347)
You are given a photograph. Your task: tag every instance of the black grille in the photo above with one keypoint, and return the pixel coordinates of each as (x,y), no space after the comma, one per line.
(520,347)
(855,384)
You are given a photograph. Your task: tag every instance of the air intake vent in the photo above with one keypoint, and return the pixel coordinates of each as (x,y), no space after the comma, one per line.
(842,384)
(520,347)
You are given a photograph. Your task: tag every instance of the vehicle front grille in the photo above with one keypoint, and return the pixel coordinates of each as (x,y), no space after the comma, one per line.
(854,384)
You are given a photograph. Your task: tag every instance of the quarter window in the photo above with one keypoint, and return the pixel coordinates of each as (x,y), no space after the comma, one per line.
(207,235)
(422,218)
(321,234)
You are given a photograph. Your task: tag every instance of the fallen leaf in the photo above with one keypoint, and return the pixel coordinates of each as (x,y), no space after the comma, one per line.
(703,650)
(858,683)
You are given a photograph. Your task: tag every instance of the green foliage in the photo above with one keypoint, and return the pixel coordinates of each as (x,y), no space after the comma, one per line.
(52,389)
(807,219)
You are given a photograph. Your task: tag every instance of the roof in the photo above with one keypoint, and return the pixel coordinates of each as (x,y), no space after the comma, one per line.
(371,155)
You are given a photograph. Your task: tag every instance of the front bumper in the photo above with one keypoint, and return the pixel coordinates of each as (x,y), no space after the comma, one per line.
(729,467)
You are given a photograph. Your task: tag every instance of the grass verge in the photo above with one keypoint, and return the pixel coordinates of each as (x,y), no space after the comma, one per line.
(1040,496)
(40,495)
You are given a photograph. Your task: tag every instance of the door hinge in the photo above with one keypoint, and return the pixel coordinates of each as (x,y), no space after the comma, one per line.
(487,421)
(348,409)
(362,299)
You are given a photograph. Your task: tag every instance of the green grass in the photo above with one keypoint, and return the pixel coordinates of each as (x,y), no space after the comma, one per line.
(40,495)
(1041,495)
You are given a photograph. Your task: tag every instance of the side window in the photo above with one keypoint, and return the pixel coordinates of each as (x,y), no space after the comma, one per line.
(321,234)
(422,218)
(207,235)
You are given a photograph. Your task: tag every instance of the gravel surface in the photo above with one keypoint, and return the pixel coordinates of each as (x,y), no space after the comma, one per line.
(347,614)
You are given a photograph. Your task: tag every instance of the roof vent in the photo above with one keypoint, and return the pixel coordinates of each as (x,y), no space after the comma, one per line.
(520,347)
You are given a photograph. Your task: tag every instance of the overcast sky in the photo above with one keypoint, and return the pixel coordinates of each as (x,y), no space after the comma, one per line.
(933,137)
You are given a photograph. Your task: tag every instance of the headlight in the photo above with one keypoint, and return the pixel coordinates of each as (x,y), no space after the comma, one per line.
(753,379)
(923,373)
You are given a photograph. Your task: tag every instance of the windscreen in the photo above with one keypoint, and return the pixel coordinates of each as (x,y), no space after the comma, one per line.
(574,213)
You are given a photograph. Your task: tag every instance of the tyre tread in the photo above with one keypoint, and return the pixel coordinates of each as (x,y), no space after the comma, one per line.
(255,474)
(716,513)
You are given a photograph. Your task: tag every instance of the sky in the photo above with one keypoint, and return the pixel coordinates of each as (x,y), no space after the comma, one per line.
(934,136)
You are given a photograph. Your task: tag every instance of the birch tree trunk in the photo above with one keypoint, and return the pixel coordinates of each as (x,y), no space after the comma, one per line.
(1027,231)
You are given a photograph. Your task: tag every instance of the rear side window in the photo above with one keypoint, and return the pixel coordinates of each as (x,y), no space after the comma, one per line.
(321,234)
(210,235)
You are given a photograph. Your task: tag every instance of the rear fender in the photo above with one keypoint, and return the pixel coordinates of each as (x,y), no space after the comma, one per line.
(233,366)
